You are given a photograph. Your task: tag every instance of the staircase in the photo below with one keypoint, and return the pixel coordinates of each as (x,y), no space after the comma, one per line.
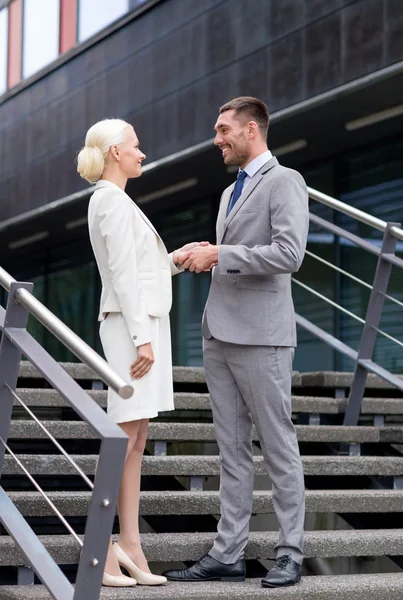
(354,477)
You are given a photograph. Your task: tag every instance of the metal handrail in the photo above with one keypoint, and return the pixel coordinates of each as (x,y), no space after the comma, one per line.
(43,494)
(355,213)
(70,339)
(55,442)
(351,276)
(331,302)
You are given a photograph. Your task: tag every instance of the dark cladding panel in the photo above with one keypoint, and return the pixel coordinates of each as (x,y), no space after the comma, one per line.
(119,45)
(164,127)
(315,9)
(169,15)
(287,81)
(222,86)
(58,125)
(188,108)
(254,28)
(253,73)
(322,54)
(221,30)
(172,70)
(286,16)
(362,51)
(75,104)
(142,122)
(95,99)
(117,82)
(38,184)
(139,73)
(394,31)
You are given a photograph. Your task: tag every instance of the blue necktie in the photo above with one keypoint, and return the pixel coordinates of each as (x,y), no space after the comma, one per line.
(237,190)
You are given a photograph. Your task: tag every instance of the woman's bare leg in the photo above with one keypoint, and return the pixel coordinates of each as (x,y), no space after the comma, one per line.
(129,498)
(132,429)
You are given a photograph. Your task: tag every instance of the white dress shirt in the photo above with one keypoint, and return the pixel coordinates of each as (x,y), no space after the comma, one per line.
(253,167)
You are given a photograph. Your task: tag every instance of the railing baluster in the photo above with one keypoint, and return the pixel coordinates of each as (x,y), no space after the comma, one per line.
(372,320)
(10,356)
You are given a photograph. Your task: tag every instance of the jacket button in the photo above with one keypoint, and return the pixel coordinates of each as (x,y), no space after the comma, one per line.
(135,337)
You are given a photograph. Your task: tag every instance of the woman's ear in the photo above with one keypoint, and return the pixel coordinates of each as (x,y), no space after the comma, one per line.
(115,152)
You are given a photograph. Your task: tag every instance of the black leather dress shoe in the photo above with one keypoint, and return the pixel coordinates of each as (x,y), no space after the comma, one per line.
(208,568)
(285,572)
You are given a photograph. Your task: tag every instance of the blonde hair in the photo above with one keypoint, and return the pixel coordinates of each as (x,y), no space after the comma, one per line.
(100,137)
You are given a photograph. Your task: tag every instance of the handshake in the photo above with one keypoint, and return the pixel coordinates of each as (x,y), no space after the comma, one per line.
(196,256)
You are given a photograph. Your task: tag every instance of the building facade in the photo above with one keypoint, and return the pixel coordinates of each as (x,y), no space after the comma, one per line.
(331,72)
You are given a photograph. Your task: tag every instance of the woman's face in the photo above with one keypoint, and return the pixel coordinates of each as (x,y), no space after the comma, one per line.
(130,155)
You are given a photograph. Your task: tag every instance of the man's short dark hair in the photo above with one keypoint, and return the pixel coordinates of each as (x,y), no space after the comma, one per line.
(250,108)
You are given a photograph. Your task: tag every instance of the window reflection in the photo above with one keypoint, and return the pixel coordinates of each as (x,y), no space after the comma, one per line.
(41,34)
(3,49)
(94,15)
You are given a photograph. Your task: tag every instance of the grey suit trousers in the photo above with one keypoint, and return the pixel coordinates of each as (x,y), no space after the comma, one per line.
(252,384)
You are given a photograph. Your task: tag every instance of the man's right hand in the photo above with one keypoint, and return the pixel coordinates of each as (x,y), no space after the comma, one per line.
(144,361)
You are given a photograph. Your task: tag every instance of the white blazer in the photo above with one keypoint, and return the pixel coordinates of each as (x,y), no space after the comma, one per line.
(135,267)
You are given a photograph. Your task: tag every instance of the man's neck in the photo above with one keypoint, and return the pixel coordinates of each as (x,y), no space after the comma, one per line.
(253,155)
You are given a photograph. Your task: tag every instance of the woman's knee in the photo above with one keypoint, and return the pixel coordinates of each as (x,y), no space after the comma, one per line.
(141,436)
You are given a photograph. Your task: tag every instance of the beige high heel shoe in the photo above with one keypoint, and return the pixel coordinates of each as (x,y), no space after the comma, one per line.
(118,580)
(141,577)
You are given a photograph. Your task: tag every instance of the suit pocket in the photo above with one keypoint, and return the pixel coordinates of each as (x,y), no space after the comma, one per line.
(146,274)
(258,283)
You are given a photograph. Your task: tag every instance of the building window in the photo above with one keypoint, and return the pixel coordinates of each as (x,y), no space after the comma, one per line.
(41,34)
(3,49)
(94,15)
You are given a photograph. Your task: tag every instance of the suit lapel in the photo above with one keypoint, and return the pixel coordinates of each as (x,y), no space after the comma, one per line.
(226,197)
(108,184)
(146,220)
(256,179)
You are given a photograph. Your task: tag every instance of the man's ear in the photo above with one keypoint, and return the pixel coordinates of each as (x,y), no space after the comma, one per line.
(253,129)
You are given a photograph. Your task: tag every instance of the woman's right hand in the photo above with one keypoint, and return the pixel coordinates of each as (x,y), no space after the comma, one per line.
(144,361)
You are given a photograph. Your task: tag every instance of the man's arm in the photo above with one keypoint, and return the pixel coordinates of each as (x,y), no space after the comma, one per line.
(289,229)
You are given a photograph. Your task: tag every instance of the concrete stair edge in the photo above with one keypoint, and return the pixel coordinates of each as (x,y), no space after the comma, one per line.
(49,398)
(385,586)
(209,465)
(168,547)
(179,431)
(32,504)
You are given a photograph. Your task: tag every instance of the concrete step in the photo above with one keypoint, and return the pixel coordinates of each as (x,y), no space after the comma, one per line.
(32,504)
(49,398)
(80,371)
(179,431)
(168,547)
(335,379)
(382,586)
(327,379)
(183,465)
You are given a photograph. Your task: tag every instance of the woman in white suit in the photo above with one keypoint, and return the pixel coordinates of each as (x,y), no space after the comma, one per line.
(135,271)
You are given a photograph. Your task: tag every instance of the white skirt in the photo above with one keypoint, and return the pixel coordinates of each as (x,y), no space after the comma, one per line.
(153,393)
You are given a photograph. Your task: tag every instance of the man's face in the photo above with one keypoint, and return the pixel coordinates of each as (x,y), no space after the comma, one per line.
(232,139)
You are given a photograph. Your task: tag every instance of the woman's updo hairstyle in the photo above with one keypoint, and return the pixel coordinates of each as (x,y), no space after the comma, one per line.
(100,137)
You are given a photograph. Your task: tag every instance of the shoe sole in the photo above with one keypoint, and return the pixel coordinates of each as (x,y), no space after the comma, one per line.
(223,579)
(268,585)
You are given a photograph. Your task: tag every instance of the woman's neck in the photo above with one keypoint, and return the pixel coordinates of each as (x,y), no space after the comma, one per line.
(115,177)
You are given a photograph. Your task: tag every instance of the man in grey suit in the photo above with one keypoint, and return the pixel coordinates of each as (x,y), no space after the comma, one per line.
(249,339)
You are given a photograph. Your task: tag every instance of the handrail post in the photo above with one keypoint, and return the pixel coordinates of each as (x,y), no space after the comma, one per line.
(10,357)
(101,515)
(372,320)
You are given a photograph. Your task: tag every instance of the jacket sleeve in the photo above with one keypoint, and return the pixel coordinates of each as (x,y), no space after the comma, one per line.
(115,222)
(289,222)
(174,269)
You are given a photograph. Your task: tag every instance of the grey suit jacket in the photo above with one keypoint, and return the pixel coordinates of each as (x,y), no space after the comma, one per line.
(262,241)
